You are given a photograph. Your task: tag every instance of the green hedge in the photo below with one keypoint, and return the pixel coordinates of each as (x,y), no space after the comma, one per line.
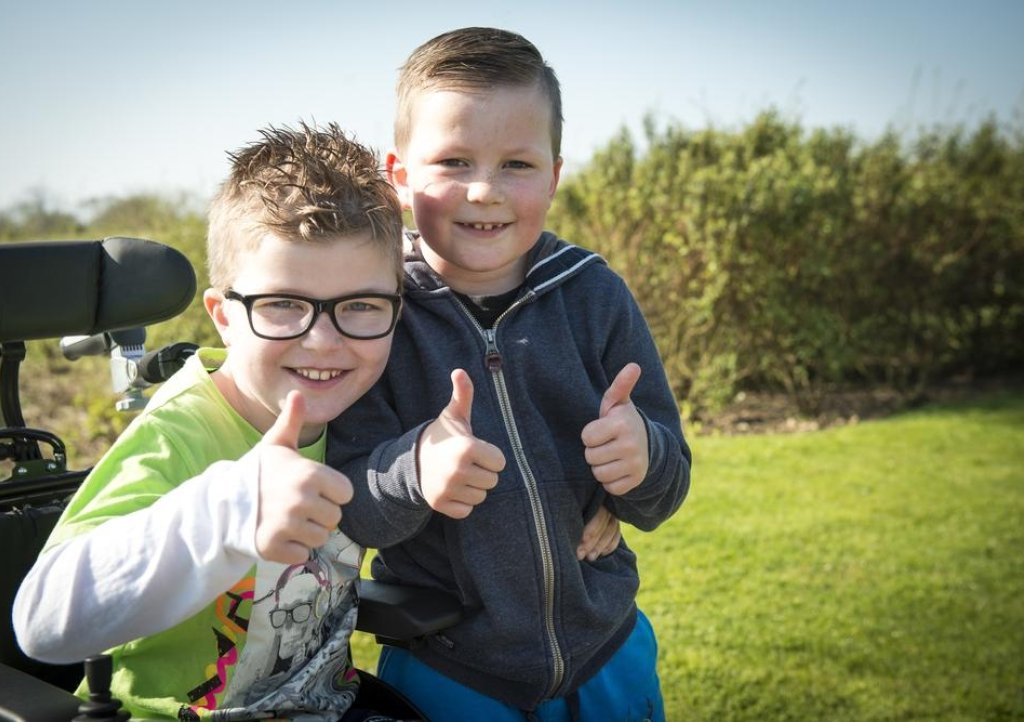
(774,258)
(767,258)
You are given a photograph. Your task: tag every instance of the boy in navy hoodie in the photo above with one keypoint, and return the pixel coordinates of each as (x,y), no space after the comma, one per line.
(523,394)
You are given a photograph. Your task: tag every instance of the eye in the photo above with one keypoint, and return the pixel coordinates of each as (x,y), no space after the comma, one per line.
(452,163)
(363,305)
(518,165)
(281,304)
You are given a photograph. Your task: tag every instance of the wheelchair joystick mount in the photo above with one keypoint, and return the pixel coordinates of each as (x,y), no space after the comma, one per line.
(101,707)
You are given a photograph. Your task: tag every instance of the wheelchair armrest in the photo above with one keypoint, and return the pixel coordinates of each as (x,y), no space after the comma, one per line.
(65,288)
(23,698)
(394,614)
(398,614)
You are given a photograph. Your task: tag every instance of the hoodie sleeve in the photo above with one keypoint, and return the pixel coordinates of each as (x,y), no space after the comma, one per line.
(667,482)
(367,444)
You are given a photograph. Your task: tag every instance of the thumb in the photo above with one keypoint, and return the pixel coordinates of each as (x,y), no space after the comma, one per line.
(622,386)
(288,425)
(460,408)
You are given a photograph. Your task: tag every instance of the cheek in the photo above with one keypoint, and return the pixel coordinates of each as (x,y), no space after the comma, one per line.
(263,358)
(538,209)
(536,196)
(375,358)
(438,193)
(428,210)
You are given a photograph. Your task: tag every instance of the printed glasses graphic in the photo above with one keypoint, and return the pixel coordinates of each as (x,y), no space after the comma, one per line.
(283,316)
(299,614)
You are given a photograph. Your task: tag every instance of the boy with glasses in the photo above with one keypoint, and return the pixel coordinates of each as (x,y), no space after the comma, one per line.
(203,550)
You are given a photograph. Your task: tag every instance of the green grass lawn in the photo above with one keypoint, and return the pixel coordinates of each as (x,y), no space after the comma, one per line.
(869,572)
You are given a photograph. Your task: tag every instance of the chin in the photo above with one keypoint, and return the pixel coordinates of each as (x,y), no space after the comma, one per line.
(322,413)
(320,417)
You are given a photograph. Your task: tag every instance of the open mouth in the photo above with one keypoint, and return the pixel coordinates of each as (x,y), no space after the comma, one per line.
(318,374)
(486,226)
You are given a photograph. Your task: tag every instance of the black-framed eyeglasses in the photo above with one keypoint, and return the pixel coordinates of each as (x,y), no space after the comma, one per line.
(284,316)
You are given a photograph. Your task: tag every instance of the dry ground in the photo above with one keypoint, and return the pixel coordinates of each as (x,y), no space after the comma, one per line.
(760,413)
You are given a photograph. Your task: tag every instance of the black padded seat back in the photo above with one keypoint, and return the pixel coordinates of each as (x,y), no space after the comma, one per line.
(68,288)
(23,532)
(51,289)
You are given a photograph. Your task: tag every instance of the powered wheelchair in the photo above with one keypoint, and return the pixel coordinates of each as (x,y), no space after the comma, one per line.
(98,297)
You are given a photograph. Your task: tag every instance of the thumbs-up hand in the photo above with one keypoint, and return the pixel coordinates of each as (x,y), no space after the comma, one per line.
(616,442)
(299,499)
(456,468)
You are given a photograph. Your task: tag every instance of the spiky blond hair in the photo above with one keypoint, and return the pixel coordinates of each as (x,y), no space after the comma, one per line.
(306,185)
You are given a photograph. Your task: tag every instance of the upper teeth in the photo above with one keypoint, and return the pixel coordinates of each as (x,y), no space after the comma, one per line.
(487,226)
(317,374)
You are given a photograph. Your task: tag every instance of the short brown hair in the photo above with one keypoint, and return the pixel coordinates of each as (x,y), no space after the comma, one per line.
(476,58)
(304,185)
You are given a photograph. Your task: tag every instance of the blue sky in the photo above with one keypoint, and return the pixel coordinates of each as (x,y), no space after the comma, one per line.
(110,97)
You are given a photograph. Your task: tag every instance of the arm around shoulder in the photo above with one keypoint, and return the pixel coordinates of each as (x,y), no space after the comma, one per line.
(386,507)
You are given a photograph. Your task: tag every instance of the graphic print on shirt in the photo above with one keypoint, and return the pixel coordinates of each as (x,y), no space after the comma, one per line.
(300,605)
(294,653)
(229,610)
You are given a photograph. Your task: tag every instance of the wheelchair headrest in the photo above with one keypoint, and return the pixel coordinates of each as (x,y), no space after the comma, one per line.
(50,289)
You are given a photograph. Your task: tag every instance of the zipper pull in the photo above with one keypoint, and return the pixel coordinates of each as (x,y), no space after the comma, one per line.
(492,357)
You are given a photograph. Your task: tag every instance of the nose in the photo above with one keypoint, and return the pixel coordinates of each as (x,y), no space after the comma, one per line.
(484,190)
(323,331)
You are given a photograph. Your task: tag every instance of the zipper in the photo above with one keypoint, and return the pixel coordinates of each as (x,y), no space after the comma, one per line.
(493,363)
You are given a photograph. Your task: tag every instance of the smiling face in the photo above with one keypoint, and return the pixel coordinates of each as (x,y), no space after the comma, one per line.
(330,370)
(479,174)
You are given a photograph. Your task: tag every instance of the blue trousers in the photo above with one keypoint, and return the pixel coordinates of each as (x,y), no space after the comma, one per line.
(625,689)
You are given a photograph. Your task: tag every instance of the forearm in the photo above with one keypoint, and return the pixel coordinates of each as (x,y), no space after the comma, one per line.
(387,506)
(144,572)
(667,482)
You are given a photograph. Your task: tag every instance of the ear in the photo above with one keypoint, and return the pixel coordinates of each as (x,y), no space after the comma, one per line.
(213,301)
(556,174)
(398,177)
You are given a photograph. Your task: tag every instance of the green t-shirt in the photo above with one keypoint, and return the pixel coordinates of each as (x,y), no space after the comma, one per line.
(275,641)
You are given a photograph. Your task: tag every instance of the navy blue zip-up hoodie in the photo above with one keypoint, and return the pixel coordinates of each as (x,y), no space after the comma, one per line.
(538,622)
